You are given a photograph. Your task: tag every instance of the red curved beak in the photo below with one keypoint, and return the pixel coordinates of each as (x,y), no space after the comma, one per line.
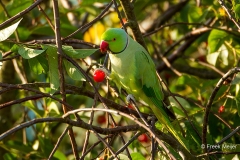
(103,46)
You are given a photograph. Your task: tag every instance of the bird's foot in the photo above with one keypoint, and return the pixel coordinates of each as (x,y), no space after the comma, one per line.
(130,99)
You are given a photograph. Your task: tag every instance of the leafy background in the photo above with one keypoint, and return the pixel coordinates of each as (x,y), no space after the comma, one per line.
(46,73)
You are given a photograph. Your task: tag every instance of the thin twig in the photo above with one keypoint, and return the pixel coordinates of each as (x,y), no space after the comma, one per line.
(221,2)
(58,142)
(20,14)
(127,144)
(90,23)
(128,116)
(35,91)
(61,74)
(209,104)
(90,123)
(94,145)
(227,137)
(132,21)
(83,125)
(46,16)
(119,15)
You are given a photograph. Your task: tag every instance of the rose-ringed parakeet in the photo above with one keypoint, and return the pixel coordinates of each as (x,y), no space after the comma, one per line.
(133,70)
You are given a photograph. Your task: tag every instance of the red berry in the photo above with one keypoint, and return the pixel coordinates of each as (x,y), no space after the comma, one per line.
(143,138)
(221,109)
(101,119)
(99,75)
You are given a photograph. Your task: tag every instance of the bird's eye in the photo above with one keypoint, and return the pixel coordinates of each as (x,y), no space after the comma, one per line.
(114,39)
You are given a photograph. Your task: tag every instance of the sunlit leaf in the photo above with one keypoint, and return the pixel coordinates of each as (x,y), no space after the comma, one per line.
(28,53)
(7,32)
(212,58)
(73,72)
(53,107)
(224,54)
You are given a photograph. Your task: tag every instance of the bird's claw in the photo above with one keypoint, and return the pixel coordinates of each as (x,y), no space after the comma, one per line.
(130,99)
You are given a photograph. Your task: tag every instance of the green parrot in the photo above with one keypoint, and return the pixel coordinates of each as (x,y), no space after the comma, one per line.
(133,70)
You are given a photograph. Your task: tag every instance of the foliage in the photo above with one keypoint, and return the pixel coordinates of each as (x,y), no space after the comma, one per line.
(47,74)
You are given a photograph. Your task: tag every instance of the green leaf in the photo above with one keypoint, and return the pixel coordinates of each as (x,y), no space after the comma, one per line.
(31,106)
(73,72)
(236,79)
(16,147)
(38,64)
(191,132)
(90,2)
(7,32)
(68,50)
(137,156)
(236,9)
(15,48)
(195,14)
(189,80)
(43,61)
(78,53)
(46,145)
(238,104)
(9,156)
(216,39)
(35,66)
(59,155)
(28,53)
(1,58)
(83,53)
(17,6)
(53,67)
(75,53)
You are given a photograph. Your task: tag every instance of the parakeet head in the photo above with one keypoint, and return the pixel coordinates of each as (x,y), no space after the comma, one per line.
(114,39)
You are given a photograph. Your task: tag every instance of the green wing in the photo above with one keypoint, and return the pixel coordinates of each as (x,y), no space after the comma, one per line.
(146,71)
(149,82)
